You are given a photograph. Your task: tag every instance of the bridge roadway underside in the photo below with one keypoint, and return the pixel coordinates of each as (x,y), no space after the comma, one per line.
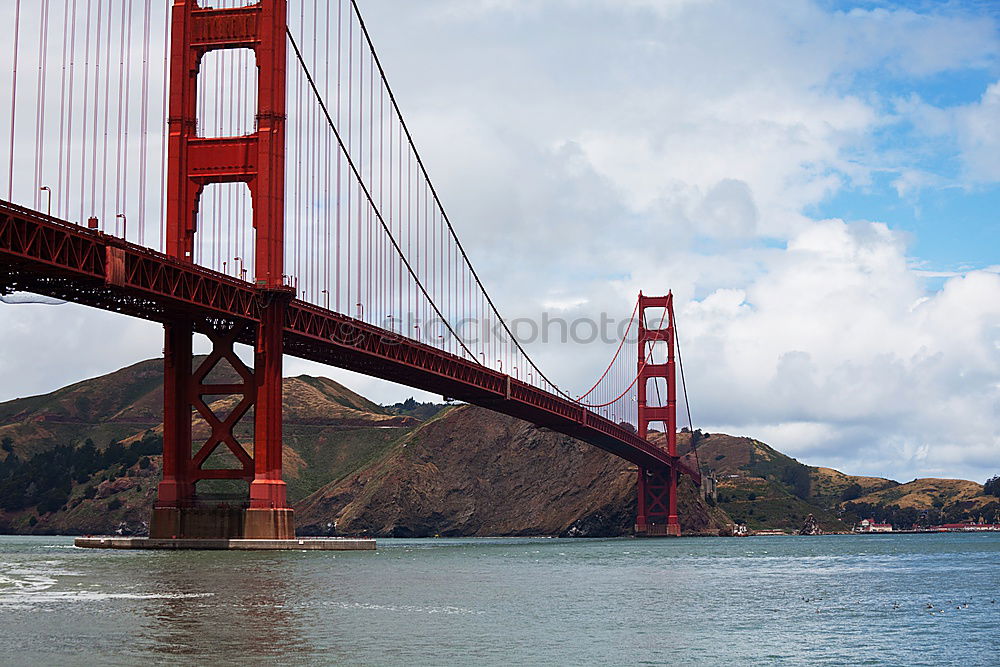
(43,255)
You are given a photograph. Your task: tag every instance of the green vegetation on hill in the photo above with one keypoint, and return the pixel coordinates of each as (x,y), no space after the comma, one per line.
(926,502)
(46,480)
(412,408)
(324,456)
(761,487)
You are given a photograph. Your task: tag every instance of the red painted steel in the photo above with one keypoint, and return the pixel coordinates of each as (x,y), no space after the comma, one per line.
(258,160)
(46,256)
(656,502)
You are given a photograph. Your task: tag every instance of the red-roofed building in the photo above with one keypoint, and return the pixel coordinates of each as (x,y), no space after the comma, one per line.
(869,526)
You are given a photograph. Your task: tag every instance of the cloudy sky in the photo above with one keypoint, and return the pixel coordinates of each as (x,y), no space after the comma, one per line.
(818,182)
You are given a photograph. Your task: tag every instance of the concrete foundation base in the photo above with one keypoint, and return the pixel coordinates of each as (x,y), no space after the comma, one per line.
(221,523)
(310,544)
(658,530)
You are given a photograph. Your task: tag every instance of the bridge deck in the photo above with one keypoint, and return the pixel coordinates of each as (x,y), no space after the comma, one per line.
(55,258)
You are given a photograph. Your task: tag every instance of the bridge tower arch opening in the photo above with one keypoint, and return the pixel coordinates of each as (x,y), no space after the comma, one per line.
(196,160)
(656,488)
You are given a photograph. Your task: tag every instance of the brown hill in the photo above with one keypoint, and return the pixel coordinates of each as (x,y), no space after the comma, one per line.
(106,408)
(765,489)
(465,472)
(831,485)
(470,471)
(928,493)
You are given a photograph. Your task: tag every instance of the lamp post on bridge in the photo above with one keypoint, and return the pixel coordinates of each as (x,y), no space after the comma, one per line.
(46,189)
(124,225)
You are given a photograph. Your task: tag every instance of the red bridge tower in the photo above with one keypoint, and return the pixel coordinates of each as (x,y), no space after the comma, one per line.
(258,160)
(657,488)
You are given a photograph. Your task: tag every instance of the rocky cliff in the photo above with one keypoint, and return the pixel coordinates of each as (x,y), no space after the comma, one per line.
(469,471)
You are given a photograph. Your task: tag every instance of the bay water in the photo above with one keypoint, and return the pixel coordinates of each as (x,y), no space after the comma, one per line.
(827,600)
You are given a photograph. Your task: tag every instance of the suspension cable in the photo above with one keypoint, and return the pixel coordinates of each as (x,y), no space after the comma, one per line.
(687,403)
(444,214)
(371,201)
(645,362)
(680,362)
(617,352)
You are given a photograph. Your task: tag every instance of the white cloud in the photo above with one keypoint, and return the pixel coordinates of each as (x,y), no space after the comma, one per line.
(979,135)
(829,337)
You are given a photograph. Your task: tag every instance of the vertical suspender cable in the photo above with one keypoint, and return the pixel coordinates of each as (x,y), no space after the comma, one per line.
(13,98)
(69,111)
(125,172)
(340,31)
(357,175)
(164,126)
(119,207)
(86,102)
(43,53)
(97,109)
(144,123)
(107,107)
(67,20)
(327,221)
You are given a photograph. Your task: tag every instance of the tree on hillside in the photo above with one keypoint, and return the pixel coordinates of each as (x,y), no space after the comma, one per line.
(852,492)
(992,486)
(797,477)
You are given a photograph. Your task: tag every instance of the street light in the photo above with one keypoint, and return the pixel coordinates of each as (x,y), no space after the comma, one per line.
(243,272)
(124,224)
(47,190)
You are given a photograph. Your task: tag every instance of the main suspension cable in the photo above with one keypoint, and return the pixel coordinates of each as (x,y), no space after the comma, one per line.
(645,362)
(371,201)
(444,214)
(617,352)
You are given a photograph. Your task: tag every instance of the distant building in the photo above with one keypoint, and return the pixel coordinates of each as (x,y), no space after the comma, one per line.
(966,527)
(869,526)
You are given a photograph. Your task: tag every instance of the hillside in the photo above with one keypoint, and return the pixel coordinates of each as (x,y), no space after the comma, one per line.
(106,408)
(759,486)
(465,471)
(469,471)
(86,458)
(763,488)
(927,501)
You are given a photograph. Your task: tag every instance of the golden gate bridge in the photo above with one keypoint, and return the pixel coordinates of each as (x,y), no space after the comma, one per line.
(243,171)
